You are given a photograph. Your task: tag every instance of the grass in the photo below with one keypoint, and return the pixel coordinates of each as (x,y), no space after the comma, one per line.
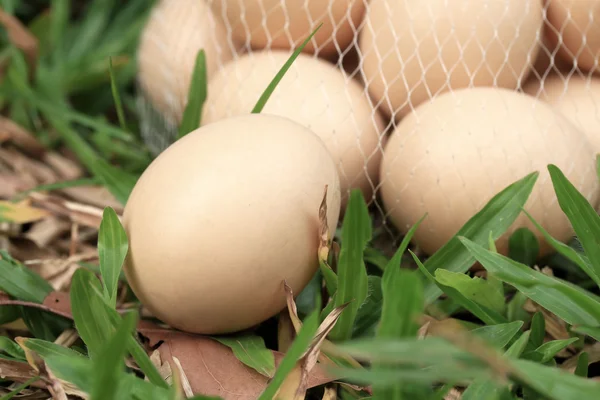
(397,327)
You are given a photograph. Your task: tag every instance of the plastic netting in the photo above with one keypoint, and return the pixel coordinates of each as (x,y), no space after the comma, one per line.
(427,106)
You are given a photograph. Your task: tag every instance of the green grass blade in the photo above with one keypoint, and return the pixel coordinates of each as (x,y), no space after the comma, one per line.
(538,331)
(112,250)
(46,349)
(299,345)
(352,272)
(118,182)
(548,350)
(192,115)
(498,335)
(87,304)
(11,348)
(403,304)
(109,367)
(89,31)
(523,246)
(581,260)
(582,365)
(262,101)
(519,345)
(22,283)
(497,216)
(572,305)
(480,311)
(59,22)
(476,289)
(116,96)
(252,351)
(554,383)
(369,313)
(582,215)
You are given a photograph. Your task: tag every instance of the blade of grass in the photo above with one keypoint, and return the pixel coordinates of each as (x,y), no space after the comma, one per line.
(112,250)
(579,259)
(20,388)
(498,335)
(192,115)
(352,272)
(109,368)
(572,305)
(582,365)
(262,101)
(403,304)
(298,347)
(497,216)
(582,215)
(116,96)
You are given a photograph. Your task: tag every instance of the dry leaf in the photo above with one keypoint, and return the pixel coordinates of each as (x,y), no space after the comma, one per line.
(18,371)
(81,214)
(21,137)
(330,393)
(20,36)
(39,172)
(64,167)
(285,332)
(21,212)
(212,368)
(324,238)
(97,196)
(47,230)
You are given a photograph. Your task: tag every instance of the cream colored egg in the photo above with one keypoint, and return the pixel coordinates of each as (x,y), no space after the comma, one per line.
(414,50)
(222,217)
(174,33)
(285,24)
(576,97)
(576,28)
(315,94)
(453,154)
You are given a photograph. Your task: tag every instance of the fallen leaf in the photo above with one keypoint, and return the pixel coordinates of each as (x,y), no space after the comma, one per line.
(20,36)
(21,212)
(47,230)
(18,371)
(324,239)
(25,166)
(211,367)
(330,393)
(65,168)
(21,137)
(97,196)
(81,214)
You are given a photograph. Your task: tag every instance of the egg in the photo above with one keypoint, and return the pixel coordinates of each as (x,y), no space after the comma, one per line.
(453,154)
(412,51)
(223,216)
(313,93)
(576,97)
(169,43)
(285,24)
(576,29)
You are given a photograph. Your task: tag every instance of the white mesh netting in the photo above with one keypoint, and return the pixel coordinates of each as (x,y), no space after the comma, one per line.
(427,106)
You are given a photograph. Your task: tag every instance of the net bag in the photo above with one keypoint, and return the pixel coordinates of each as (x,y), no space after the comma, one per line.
(428,107)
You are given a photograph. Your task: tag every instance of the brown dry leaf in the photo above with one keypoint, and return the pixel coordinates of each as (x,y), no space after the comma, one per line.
(18,371)
(328,347)
(47,230)
(25,166)
(324,238)
(97,196)
(212,368)
(21,137)
(330,393)
(285,332)
(593,352)
(20,36)
(81,214)
(12,185)
(453,394)
(21,212)
(64,167)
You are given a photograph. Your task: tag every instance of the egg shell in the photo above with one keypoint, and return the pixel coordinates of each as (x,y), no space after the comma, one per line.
(576,29)
(285,24)
(223,216)
(313,93)
(577,97)
(413,50)
(453,154)
(174,33)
